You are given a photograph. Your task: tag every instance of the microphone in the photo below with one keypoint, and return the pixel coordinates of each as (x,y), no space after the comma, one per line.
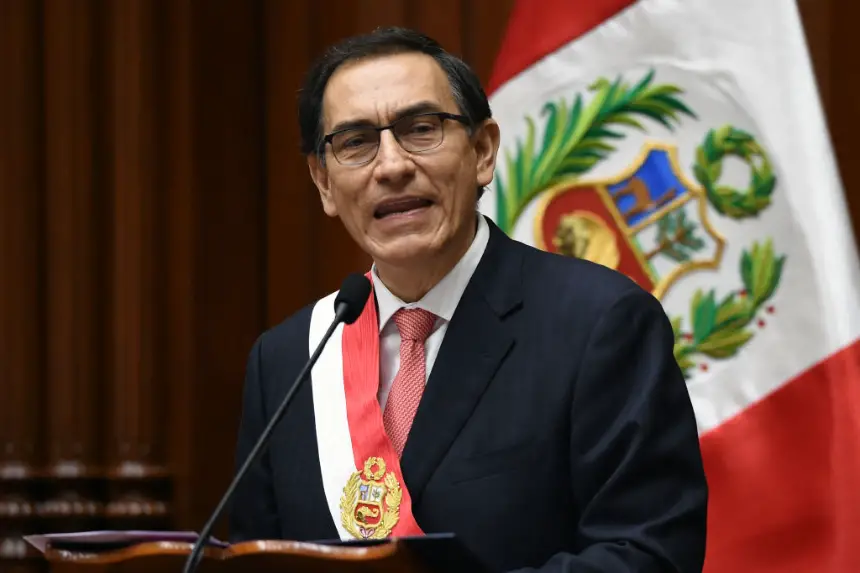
(348,305)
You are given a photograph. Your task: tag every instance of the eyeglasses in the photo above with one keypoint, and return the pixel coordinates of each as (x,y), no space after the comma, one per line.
(415,133)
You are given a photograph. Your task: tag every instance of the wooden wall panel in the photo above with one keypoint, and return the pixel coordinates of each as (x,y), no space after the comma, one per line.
(73,279)
(484,23)
(156,215)
(817,17)
(842,102)
(21,326)
(130,435)
(442,20)
(177,247)
(135,430)
(293,207)
(228,115)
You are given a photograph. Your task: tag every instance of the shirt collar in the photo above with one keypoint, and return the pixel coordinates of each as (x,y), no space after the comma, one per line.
(442,300)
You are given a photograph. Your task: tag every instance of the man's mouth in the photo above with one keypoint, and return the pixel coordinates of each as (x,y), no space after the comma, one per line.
(400,206)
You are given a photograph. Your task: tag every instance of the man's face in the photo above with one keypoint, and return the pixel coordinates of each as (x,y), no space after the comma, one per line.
(402,207)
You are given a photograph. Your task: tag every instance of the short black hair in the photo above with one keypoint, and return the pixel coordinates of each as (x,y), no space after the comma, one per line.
(465,86)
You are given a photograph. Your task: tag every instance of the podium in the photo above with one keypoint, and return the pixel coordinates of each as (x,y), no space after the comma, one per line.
(426,554)
(257,556)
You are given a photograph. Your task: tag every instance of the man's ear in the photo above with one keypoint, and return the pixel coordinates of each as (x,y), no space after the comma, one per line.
(319,174)
(486,142)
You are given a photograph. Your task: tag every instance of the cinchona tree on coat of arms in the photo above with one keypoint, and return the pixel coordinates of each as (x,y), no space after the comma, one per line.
(650,222)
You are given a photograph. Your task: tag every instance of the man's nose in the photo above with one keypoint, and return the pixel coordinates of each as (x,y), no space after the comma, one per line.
(393,163)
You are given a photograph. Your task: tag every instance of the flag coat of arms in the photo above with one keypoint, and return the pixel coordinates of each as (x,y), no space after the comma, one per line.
(684,144)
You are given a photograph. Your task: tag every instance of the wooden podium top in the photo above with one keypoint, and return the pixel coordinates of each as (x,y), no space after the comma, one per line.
(256,556)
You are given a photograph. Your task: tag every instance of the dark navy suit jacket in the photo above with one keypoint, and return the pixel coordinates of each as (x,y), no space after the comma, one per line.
(555,431)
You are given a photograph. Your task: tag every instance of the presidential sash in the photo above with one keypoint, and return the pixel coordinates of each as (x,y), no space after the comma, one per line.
(362,480)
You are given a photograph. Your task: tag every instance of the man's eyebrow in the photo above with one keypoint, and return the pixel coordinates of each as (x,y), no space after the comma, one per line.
(420,107)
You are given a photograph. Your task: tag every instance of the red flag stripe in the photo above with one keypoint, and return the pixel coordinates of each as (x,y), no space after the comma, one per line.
(537,28)
(784,477)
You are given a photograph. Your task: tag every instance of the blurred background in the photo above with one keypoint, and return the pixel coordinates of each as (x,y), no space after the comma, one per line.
(156,216)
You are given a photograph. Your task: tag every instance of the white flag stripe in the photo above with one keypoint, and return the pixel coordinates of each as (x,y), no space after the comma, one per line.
(744,63)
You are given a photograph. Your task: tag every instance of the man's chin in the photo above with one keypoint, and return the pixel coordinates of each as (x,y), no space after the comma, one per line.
(404,251)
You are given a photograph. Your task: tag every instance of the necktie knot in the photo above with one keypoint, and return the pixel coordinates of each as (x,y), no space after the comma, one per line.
(414,323)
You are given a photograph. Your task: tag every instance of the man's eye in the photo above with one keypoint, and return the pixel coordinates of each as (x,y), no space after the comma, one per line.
(355,141)
(422,127)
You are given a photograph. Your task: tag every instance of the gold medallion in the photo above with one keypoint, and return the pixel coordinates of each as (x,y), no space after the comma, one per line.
(370,505)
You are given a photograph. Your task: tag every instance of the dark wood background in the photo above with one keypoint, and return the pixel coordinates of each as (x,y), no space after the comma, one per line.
(156,216)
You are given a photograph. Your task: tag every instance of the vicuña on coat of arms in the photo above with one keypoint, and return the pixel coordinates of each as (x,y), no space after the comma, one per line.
(651,221)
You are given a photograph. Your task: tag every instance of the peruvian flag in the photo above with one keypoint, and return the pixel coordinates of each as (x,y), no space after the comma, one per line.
(683,143)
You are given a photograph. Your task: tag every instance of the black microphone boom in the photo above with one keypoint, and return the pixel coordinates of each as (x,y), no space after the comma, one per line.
(348,305)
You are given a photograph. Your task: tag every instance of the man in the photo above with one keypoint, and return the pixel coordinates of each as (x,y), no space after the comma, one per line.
(527,402)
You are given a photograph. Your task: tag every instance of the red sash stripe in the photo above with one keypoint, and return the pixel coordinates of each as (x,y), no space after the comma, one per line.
(360,345)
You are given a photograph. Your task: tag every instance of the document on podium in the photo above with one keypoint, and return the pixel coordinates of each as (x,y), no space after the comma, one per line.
(109,540)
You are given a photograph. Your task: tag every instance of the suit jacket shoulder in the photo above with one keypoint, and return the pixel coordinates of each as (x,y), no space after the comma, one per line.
(283,350)
(575,294)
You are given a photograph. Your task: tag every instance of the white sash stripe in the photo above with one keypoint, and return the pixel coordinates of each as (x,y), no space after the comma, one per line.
(337,461)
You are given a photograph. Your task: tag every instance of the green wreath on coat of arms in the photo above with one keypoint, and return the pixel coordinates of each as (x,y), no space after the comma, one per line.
(578,136)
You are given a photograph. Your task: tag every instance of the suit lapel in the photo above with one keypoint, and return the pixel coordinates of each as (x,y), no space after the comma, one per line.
(475,345)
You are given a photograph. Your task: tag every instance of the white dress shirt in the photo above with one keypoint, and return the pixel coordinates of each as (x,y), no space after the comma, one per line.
(442,300)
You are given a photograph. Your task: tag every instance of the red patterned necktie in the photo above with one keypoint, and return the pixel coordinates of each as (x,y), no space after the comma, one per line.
(415,325)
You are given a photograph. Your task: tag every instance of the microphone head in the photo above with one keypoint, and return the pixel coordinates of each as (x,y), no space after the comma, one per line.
(352,297)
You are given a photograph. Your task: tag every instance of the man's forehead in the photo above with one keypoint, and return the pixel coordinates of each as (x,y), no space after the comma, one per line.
(383,87)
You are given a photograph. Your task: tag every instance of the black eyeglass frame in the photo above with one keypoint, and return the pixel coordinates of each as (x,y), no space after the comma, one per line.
(442,115)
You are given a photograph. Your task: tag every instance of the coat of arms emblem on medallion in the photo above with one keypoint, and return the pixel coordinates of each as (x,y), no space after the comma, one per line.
(370,505)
